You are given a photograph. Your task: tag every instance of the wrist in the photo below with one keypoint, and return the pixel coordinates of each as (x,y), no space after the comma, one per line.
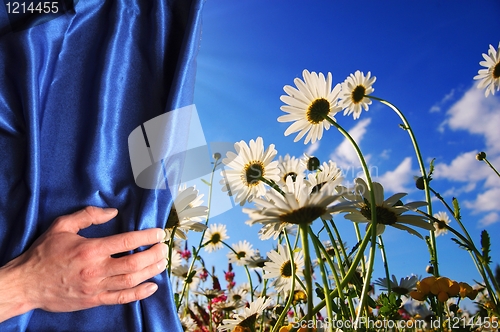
(14,300)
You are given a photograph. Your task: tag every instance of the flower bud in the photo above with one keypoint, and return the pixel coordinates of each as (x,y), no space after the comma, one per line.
(429,269)
(312,164)
(419,183)
(480,156)
(217,156)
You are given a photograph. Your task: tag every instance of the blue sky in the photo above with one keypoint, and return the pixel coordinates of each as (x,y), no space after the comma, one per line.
(424,55)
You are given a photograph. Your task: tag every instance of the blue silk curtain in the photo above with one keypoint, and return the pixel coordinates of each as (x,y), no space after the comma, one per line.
(71,91)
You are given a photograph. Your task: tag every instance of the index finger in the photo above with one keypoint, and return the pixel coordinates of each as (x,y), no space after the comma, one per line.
(118,243)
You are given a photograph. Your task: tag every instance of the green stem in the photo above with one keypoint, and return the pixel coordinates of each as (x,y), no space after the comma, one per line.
(303,229)
(482,269)
(407,127)
(272,185)
(292,288)
(349,275)
(339,238)
(326,287)
(491,166)
(170,251)
(373,222)
(340,264)
(246,269)
(200,245)
(358,237)
(386,265)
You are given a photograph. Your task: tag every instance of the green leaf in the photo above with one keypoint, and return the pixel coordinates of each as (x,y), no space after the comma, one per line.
(205,182)
(431,168)
(456,209)
(461,244)
(485,246)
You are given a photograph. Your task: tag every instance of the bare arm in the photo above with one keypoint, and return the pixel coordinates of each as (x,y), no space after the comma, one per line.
(63,271)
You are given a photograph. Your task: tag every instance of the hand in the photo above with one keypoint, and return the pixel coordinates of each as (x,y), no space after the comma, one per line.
(63,271)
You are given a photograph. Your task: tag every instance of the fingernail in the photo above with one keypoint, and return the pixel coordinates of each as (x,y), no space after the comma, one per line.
(110,210)
(162,265)
(164,249)
(161,236)
(151,288)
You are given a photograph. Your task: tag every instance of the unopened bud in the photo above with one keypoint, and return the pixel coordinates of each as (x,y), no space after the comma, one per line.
(312,164)
(481,156)
(429,269)
(419,183)
(217,156)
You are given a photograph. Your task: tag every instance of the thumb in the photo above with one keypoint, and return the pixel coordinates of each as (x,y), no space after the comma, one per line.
(91,215)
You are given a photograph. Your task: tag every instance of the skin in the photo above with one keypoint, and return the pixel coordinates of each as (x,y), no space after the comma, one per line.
(63,271)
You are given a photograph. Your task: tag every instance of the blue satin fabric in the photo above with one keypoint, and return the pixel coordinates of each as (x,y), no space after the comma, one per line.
(71,91)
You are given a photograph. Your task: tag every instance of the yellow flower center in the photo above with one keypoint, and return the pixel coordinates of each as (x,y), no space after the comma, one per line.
(384,215)
(441,224)
(304,215)
(247,324)
(173,218)
(357,94)
(496,71)
(293,175)
(252,172)
(318,110)
(400,290)
(216,238)
(286,269)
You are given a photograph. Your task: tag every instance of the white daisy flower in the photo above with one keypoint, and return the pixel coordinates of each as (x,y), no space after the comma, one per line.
(214,236)
(176,259)
(490,76)
(389,212)
(188,324)
(296,206)
(290,166)
(274,230)
(238,294)
(256,260)
(354,90)
(248,318)
(405,285)
(243,251)
(192,279)
(309,104)
(439,228)
(280,267)
(326,173)
(248,166)
(186,213)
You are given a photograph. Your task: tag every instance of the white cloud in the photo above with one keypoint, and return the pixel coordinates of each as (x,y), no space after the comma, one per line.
(464,168)
(385,154)
(454,192)
(312,148)
(395,181)
(489,219)
(344,155)
(486,201)
(477,115)
(437,106)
